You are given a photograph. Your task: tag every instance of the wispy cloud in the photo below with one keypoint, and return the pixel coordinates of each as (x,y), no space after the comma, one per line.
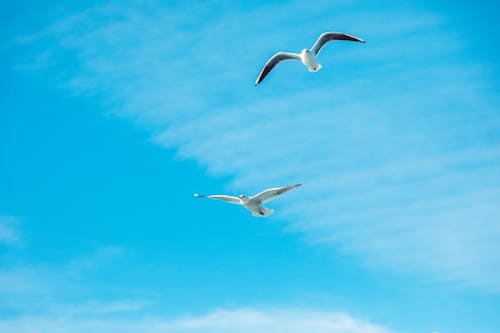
(34,288)
(237,321)
(94,307)
(397,140)
(47,298)
(96,259)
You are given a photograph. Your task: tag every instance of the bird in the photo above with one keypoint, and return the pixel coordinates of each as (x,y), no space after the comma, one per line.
(308,57)
(253,203)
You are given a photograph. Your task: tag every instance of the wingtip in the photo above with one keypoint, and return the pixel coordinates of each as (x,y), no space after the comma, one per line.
(259,80)
(298,184)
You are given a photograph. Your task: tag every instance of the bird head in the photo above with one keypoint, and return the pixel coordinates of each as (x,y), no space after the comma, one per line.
(242,197)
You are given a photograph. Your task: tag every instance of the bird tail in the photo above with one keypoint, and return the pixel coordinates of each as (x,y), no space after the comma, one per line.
(316,69)
(263,212)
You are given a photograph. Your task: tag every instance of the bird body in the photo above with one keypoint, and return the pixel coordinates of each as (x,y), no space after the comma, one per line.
(255,206)
(253,203)
(307,56)
(309,60)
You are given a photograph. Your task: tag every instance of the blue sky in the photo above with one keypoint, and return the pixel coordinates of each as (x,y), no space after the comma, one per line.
(113,115)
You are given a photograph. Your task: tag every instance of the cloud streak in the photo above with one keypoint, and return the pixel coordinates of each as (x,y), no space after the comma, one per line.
(49,298)
(237,321)
(34,288)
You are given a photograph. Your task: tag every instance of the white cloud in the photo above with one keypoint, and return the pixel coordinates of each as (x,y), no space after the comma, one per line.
(43,299)
(399,150)
(234,321)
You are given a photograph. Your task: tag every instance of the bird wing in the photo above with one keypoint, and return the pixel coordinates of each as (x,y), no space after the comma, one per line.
(328,37)
(271,193)
(226,198)
(273,61)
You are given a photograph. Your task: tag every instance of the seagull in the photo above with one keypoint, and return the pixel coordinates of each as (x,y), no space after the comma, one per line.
(308,57)
(253,203)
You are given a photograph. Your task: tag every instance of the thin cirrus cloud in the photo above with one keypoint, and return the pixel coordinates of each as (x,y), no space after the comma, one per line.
(237,321)
(396,140)
(33,288)
(48,298)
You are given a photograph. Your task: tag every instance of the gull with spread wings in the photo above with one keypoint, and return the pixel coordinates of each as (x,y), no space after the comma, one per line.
(253,203)
(308,57)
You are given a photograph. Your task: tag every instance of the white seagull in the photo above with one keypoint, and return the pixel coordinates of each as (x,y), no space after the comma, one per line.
(308,57)
(254,203)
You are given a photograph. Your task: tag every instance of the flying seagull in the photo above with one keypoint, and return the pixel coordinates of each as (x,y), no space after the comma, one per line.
(254,203)
(308,57)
